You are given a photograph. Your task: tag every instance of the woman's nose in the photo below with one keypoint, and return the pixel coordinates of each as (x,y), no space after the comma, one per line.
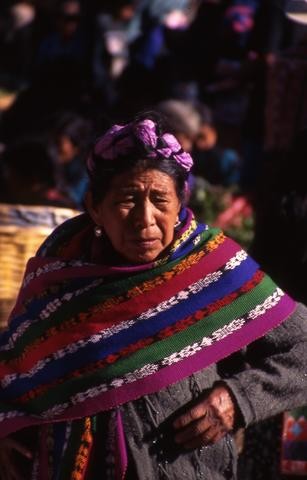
(144,215)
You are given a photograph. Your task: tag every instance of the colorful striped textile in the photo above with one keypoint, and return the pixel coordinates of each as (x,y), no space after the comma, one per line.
(86,337)
(294,442)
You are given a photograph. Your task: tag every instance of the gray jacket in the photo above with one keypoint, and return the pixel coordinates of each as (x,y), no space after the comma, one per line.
(267,377)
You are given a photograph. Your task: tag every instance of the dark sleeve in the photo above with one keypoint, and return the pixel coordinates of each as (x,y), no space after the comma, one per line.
(275,379)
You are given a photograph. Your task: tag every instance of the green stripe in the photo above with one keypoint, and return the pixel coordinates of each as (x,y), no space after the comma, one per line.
(82,303)
(161,349)
(194,333)
(67,311)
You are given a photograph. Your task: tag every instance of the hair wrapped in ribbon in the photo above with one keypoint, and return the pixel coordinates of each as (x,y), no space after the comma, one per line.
(143,143)
(121,140)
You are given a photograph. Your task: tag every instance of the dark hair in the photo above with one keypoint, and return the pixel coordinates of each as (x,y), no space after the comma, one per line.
(104,174)
(138,158)
(75,126)
(205,112)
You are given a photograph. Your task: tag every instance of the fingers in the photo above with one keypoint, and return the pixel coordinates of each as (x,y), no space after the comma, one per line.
(199,411)
(223,405)
(201,432)
(195,429)
(208,421)
(219,400)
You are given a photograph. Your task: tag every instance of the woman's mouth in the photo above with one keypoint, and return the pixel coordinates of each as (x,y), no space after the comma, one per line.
(145,242)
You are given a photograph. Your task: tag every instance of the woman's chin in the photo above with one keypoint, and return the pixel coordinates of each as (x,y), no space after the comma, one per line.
(143,252)
(143,256)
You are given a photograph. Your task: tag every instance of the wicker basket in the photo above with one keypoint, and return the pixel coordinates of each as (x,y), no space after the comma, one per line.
(22,230)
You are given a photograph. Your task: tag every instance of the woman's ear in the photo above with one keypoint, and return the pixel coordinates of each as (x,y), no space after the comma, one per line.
(91,207)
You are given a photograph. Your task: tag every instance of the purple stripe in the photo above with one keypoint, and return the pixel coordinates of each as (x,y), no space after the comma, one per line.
(121,461)
(171,374)
(207,356)
(209,263)
(35,285)
(206,265)
(187,222)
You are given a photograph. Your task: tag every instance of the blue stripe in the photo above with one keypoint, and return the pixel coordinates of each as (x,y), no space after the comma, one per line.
(38,304)
(228,283)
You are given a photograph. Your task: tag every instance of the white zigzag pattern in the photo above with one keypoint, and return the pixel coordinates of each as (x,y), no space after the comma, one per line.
(150,368)
(50,307)
(161,307)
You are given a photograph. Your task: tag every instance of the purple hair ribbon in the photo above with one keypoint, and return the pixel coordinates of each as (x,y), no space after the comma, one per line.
(120,139)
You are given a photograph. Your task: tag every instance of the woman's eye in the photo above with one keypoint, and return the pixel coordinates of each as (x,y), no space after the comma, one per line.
(125,201)
(160,200)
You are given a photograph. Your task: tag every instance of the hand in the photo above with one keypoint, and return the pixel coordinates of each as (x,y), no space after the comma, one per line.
(8,463)
(208,421)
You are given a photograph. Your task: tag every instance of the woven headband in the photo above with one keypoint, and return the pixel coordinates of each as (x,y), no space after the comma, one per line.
(119,140)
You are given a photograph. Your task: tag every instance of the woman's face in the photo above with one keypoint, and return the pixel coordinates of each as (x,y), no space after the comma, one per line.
(138,214)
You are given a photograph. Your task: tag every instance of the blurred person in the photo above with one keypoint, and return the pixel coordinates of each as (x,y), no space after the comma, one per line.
(218,165)
(17,44)
(148,26)
(55,87)
(61,77)
(184,120)
(111,41)
(67,39)
(110,51)
(30,207)
(28,175)
(281,207)
(156,35)
(281,230)
(238,25)
(280,227)
(69,139)
(274,73)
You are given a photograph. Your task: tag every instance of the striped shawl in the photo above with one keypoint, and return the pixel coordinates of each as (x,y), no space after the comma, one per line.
(84,337)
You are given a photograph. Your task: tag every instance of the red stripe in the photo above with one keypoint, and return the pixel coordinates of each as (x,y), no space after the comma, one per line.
(166,332)
(118,313)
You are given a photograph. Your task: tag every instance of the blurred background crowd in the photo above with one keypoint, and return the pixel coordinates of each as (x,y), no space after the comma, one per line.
(230,77)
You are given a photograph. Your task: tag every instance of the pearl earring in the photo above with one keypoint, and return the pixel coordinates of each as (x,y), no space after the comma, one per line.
(98,231)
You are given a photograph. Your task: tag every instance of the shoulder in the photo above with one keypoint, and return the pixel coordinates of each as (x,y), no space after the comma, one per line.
(64,232)
(297,321)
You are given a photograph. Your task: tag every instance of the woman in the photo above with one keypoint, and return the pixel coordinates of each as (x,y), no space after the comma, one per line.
(141,340)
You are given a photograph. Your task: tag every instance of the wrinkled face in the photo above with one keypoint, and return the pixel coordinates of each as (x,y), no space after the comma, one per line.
(138,214)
